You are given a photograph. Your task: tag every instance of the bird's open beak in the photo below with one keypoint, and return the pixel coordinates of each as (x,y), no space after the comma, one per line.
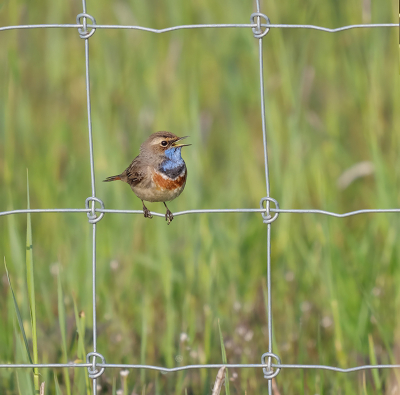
(174,144)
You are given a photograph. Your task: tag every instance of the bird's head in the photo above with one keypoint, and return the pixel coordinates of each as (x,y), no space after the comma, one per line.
(163,144)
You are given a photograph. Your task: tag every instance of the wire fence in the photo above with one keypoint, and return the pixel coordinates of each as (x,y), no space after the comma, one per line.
(260,26)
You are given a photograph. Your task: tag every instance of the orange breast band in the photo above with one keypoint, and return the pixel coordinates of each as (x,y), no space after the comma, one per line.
(170,184)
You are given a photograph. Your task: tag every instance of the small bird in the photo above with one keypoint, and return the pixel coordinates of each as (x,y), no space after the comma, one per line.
(158,173)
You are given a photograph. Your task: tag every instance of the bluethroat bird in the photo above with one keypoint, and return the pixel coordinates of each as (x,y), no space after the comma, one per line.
(158,173)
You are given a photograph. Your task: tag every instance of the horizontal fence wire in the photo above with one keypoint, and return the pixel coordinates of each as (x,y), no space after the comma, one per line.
(205,211)
(259,29)
(190,367)
(202,26)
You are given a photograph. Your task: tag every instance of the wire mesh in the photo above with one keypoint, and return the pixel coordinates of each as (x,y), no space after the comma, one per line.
(260,26)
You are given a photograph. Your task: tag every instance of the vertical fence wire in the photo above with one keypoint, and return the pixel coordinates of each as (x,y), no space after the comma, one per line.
(264,134)
(94,303)
(263,120)
(92,178)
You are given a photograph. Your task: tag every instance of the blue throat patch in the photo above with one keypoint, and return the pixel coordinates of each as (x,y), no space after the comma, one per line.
(174,154)
(173,164)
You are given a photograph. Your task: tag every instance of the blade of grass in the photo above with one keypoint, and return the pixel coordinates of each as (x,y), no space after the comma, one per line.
(16,245)
(80,328)
(143,342)
(31,289)
(364,383)
(224,360)
(23,376)
(61,319)
(372,357)
(338,333)
(58,389)
(45,375)
(124,381)
(81,345)
(17,312)
(18,385)
(24,383)
(114,386)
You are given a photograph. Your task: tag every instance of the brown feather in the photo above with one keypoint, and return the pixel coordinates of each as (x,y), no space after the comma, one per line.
(132,175)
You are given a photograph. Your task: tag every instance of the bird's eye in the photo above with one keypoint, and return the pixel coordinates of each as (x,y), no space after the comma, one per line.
(164,143)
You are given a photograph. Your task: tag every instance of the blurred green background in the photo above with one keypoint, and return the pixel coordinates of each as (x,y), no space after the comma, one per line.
(331,103)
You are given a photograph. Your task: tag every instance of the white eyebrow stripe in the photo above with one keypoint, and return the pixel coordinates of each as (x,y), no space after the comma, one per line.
(159,139)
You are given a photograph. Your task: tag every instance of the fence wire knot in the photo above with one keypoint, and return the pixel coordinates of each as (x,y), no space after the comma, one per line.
(267,219)
(269,372)
(258,31)
(93,371)
(83,32)
(92,214)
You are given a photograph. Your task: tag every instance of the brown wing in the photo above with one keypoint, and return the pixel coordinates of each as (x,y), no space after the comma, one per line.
(133,174)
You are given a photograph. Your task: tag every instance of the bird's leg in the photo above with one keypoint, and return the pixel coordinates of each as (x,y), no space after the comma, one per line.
(146,211)
(168,215)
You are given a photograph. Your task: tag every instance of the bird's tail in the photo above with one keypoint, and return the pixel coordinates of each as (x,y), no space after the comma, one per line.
(112,178)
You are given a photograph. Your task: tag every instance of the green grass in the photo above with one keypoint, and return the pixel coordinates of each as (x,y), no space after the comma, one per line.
(224,360)
(331,101)
(30,282)
(18,314)
(61,319)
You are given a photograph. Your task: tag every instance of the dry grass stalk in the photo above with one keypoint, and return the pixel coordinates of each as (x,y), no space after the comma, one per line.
(275,388)
(219,381)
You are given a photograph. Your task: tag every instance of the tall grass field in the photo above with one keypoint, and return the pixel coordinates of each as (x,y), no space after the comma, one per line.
(332,105)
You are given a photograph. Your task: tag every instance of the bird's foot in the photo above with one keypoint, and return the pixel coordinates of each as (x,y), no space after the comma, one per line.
(146,212)
(169,216)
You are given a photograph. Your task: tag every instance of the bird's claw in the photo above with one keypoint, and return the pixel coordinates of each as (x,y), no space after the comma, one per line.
(169,216)
(147,213)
